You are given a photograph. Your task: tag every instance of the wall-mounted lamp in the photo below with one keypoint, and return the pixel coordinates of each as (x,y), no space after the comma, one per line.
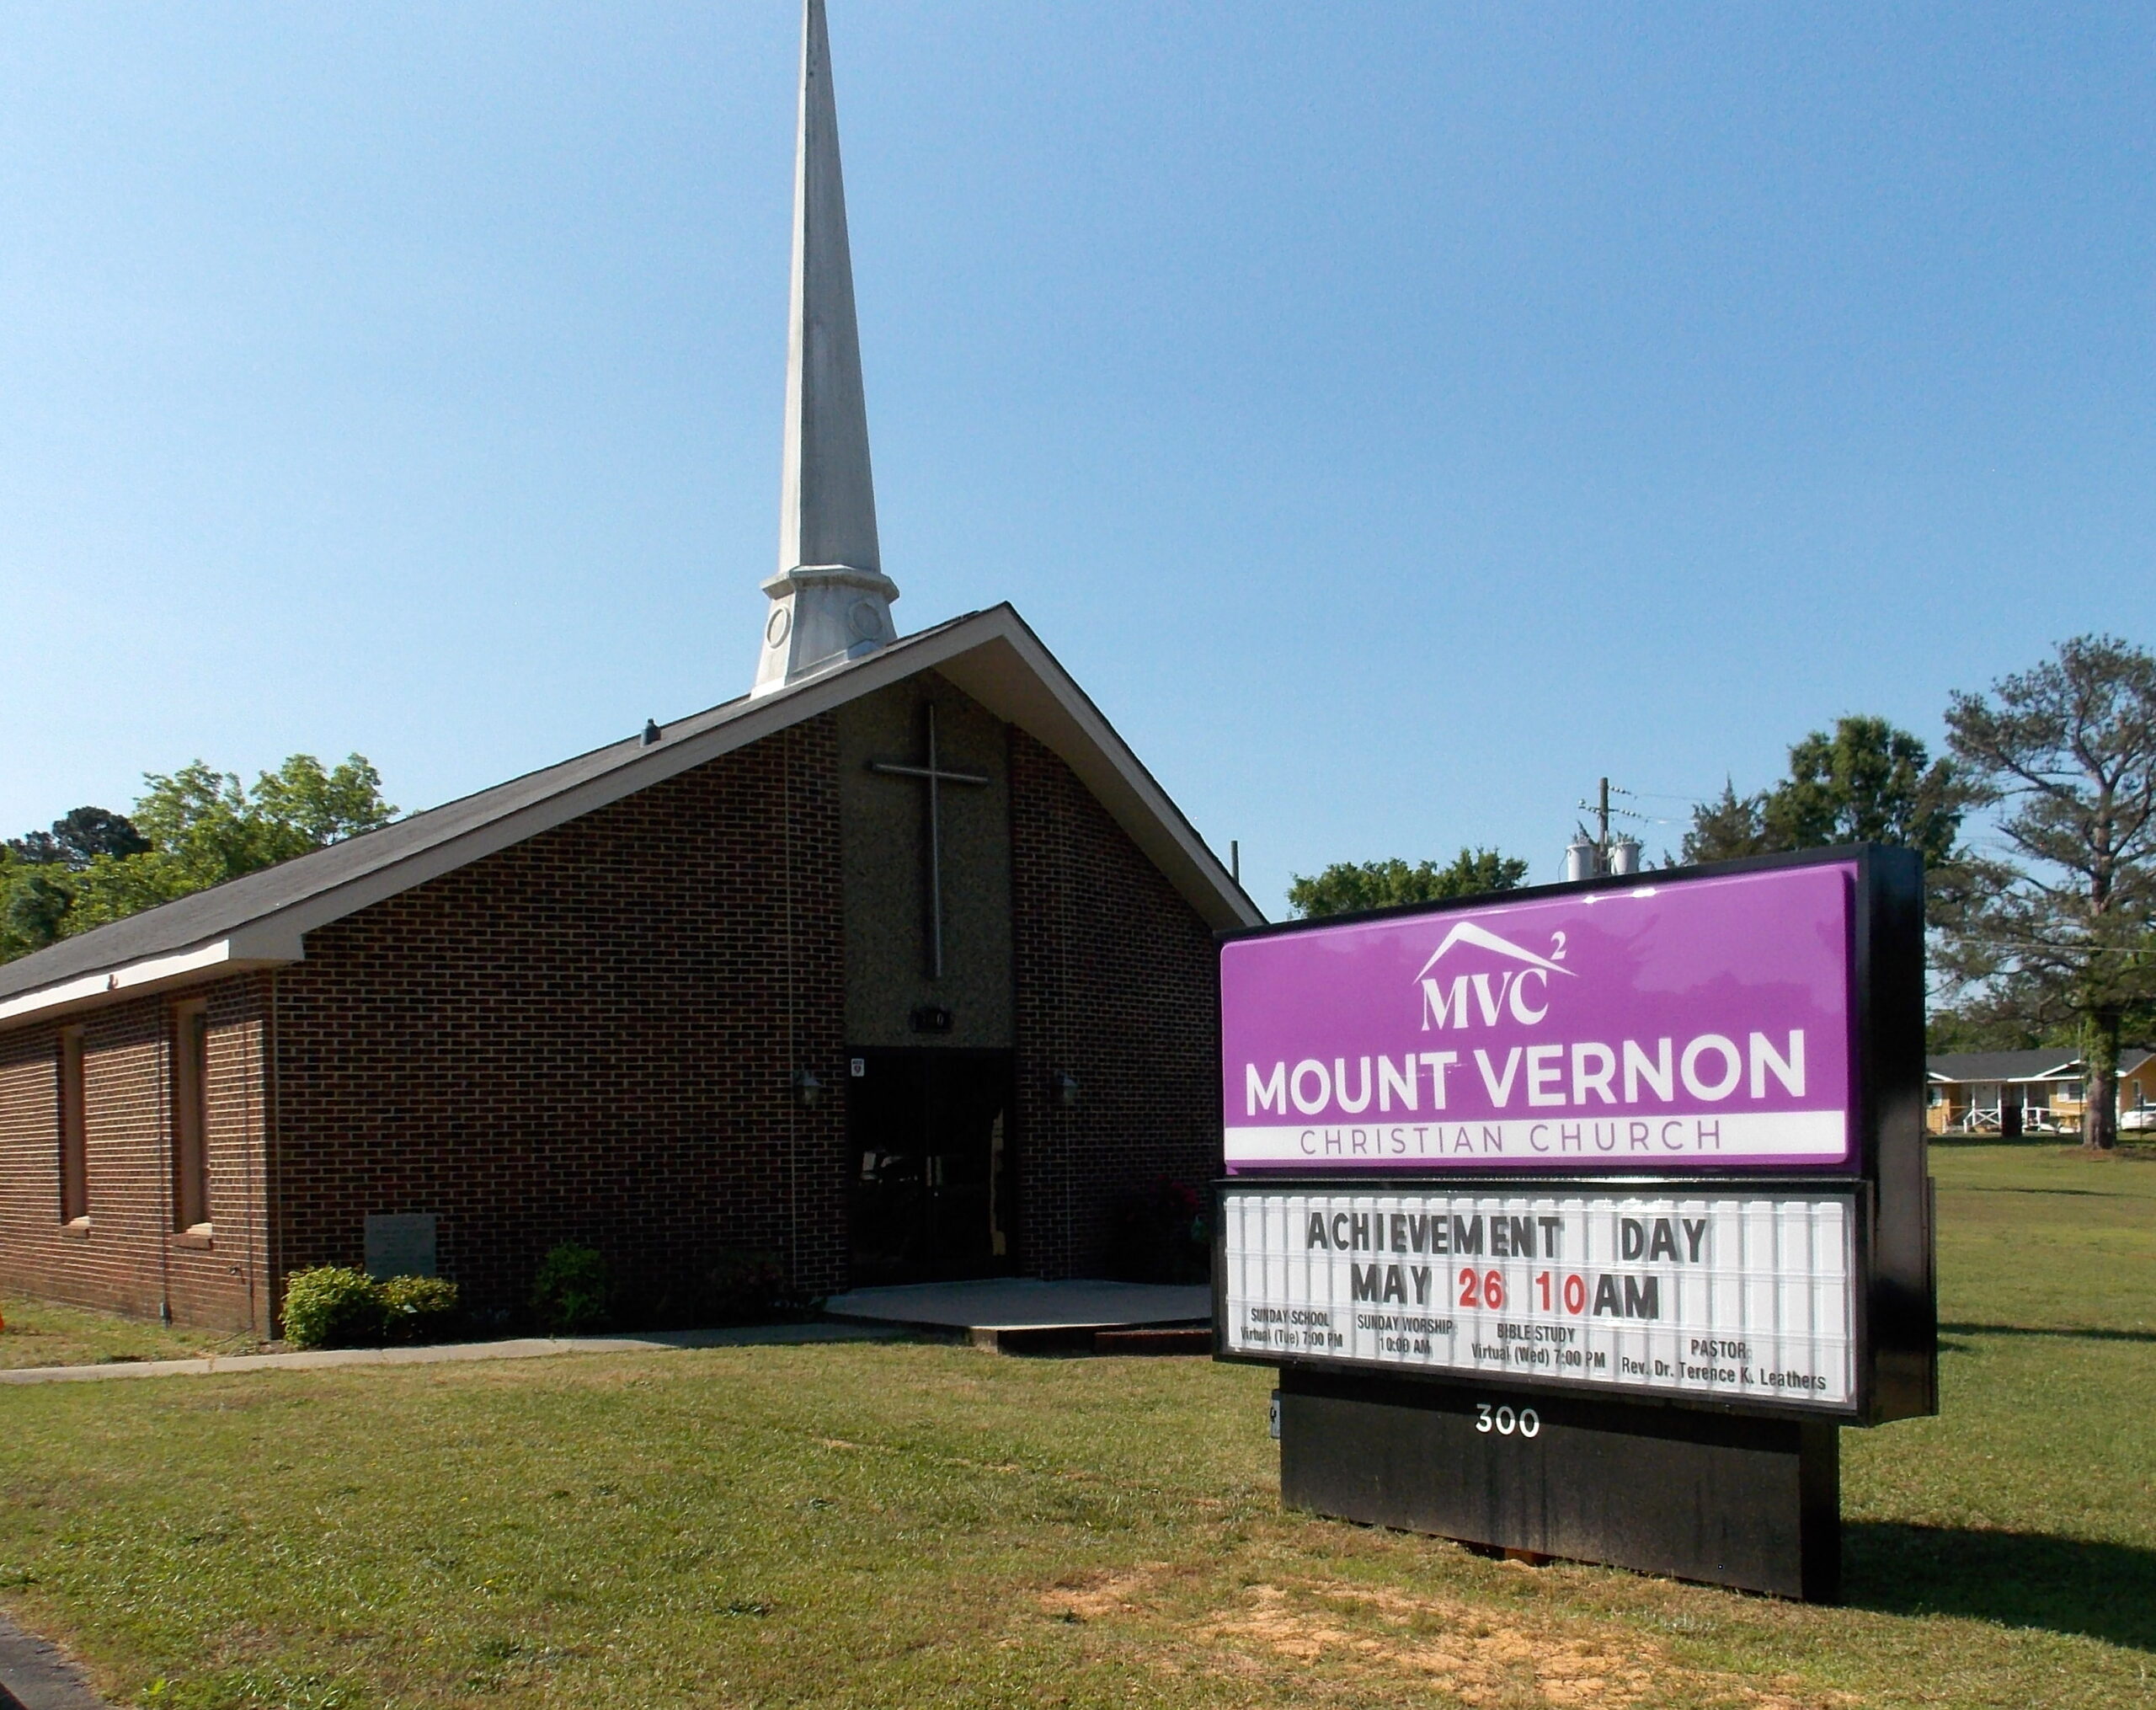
(1067,1088)
(807,1089)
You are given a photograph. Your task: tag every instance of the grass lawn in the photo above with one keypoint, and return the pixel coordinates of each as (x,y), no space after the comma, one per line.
(38,1332)
(905,1525)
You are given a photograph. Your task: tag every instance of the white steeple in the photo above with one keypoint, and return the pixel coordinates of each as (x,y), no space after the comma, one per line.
(830,600)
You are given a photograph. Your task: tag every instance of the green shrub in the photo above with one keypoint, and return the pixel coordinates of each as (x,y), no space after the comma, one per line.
(571,1293)
(418,1308)
(744,1287)
(1163,1236)
(332,1307)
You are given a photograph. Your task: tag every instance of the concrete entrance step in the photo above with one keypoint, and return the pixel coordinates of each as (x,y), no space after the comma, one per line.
(1020,1315)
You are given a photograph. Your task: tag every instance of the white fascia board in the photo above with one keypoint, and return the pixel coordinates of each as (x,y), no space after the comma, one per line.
(241,953)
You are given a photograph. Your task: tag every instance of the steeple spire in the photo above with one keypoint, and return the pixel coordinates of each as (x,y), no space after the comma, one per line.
(830,600)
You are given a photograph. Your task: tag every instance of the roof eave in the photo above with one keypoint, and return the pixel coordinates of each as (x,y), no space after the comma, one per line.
(252,948)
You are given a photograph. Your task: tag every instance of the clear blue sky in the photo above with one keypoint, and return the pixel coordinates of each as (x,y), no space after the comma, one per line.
(1397,416)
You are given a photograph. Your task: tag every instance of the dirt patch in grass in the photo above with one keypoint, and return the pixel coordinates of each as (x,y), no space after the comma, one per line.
(1338,1638)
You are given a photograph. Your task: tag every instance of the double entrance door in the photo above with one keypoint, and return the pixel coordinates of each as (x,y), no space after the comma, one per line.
(929,1143)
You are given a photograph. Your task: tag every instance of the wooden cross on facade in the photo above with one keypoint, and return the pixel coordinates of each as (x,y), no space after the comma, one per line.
(936,777)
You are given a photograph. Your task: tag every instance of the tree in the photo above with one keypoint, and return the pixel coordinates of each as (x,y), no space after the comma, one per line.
(1348,887)
(1995,1019)
(1729,827)
(1866,782)
(34,902)
(2069,749)
(192,829)
(38,869)
(313,809)
(78,837)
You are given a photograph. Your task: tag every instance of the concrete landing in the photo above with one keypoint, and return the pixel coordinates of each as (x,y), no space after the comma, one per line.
(1019,1315)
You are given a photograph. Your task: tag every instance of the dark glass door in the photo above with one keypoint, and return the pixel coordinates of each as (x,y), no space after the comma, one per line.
(929,1140)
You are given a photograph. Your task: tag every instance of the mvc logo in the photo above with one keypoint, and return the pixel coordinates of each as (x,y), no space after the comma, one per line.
(1489,994)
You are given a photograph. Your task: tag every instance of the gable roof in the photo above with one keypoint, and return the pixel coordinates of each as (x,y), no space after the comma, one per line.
(261,919)
(2059,1062)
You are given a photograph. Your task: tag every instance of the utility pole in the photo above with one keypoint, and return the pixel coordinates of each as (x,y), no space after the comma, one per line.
(1601,855)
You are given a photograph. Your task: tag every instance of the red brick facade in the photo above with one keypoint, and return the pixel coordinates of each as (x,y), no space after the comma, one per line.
(130,1256)
(592,1035)
(1118,985)
(589,1036)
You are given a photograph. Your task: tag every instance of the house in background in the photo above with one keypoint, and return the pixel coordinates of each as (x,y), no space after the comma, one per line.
(2039,1092)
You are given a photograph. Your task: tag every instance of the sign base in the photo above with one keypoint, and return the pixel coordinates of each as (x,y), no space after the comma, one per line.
(1727,1500)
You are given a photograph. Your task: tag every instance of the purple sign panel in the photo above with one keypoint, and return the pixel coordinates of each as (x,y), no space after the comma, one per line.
(1693,1024)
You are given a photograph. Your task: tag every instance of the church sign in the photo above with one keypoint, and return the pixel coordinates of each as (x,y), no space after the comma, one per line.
(1696,1025)
(1551,1172)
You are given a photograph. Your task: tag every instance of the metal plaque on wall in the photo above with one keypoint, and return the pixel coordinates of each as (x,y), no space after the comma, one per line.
(400,1243)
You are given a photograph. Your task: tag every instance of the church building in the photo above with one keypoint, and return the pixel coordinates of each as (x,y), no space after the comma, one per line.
(899,967)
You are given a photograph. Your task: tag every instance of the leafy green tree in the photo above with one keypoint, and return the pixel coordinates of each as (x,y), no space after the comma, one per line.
(313,809)
(2067,923)
(191,829)
(35,898)
(1348,887)
(38,874)
(201,828)
(1866,781)
(78,837)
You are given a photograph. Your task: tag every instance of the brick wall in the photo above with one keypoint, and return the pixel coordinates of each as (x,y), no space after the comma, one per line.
(130,1259)
(1118,985)
(589,1036)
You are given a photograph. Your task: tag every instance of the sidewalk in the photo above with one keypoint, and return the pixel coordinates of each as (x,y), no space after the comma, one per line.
(35,1676)
(522,1348)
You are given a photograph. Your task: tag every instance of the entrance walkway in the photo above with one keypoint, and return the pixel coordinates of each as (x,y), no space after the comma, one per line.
(1019,1315)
